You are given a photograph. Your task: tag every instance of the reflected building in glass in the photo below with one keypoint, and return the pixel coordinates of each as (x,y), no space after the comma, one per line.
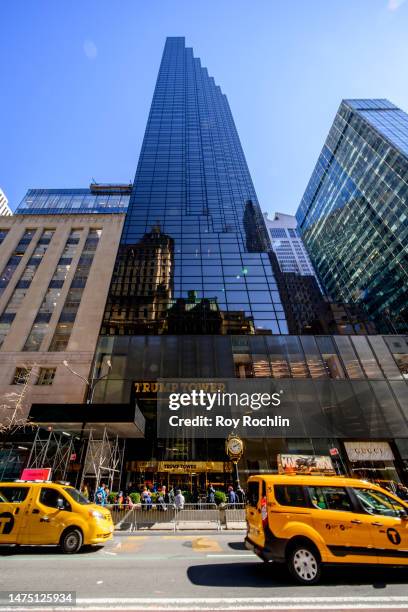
(354,213)
(194,196)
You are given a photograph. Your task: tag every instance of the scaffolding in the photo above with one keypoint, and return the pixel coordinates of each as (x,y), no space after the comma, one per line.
(103,459)
(102,455)
(51,449)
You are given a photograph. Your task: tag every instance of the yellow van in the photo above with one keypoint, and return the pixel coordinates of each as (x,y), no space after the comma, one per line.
(51,513)
(306,521)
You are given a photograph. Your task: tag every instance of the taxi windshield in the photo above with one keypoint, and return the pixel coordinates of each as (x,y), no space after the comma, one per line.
(76,495)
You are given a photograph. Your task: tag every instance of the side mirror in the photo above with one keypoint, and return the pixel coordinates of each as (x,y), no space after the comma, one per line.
(60,504)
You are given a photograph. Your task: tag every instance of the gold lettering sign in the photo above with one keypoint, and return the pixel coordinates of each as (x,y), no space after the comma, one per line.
(187,467)
(141,386)
(181,467)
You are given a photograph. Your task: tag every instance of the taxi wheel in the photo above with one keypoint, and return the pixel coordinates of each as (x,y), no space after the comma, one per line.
(304,563)
(71,541)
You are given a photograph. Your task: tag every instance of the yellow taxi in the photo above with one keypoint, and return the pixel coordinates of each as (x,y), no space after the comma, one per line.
(306,521)
(51,513)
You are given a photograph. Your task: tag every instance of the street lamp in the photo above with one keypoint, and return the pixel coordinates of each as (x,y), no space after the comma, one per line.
(91,384)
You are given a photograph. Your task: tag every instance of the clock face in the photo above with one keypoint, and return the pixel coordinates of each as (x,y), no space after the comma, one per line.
(235,446)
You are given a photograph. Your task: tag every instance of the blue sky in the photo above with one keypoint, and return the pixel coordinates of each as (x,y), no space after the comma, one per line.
(77,77)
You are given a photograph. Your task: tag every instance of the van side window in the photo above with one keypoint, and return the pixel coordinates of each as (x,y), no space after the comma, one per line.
(50,497)
(14,495)
(330,498)
(253,493)
(290,495)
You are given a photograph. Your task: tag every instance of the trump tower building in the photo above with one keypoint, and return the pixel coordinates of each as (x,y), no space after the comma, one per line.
(195,296)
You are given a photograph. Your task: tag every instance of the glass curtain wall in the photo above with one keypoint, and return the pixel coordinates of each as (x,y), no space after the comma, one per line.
(194,255)
(354,213)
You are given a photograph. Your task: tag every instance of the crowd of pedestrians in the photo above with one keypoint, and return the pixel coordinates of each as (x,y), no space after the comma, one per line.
(160,496)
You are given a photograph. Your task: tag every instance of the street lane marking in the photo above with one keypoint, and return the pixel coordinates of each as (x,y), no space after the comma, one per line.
(206,544)
(233,604)
(130,544)
(230,555)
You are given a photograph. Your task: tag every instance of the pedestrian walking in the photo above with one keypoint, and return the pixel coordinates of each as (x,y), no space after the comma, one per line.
(101,495)
(85,490)
(179,500)
(162,499)
(119,499)
(232,496)
(128,502)
(240,494)
(144,496)
(210,494)
(172,495)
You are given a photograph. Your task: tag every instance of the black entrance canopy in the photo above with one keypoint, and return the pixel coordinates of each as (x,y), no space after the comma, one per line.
(123,420)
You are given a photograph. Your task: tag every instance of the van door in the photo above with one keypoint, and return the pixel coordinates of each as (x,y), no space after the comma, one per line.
(49,515)
(256,511)
(389,531)
(346,532)
(13,503)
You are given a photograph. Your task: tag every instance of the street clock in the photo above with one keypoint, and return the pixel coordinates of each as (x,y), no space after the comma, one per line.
(234,447)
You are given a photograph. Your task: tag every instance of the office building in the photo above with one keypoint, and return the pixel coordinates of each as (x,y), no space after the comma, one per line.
(195,295)
(99,198)
(4,207)
(353,216)
(194,196)
(55,272)
(288,245)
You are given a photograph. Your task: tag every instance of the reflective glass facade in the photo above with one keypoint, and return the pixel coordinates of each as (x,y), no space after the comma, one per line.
(71,201)
(194,254)
(354,213)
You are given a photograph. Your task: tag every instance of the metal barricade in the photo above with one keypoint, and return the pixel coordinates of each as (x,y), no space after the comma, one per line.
(235,516)
(198,516)
(154,516)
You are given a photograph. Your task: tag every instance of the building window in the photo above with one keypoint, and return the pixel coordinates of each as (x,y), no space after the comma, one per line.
(15,259)
(3,234)
(21,376)
(46,376)
(68,314)
(51,299)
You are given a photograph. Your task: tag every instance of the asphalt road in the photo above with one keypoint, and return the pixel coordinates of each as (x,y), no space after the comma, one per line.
(210,571)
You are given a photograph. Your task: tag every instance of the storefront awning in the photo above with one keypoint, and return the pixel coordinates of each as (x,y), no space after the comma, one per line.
(123,420)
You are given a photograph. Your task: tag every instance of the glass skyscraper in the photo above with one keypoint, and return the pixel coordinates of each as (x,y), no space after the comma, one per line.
(354,214)
(195,253)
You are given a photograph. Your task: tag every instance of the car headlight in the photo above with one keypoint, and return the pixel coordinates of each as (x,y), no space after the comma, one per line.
(96,514)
